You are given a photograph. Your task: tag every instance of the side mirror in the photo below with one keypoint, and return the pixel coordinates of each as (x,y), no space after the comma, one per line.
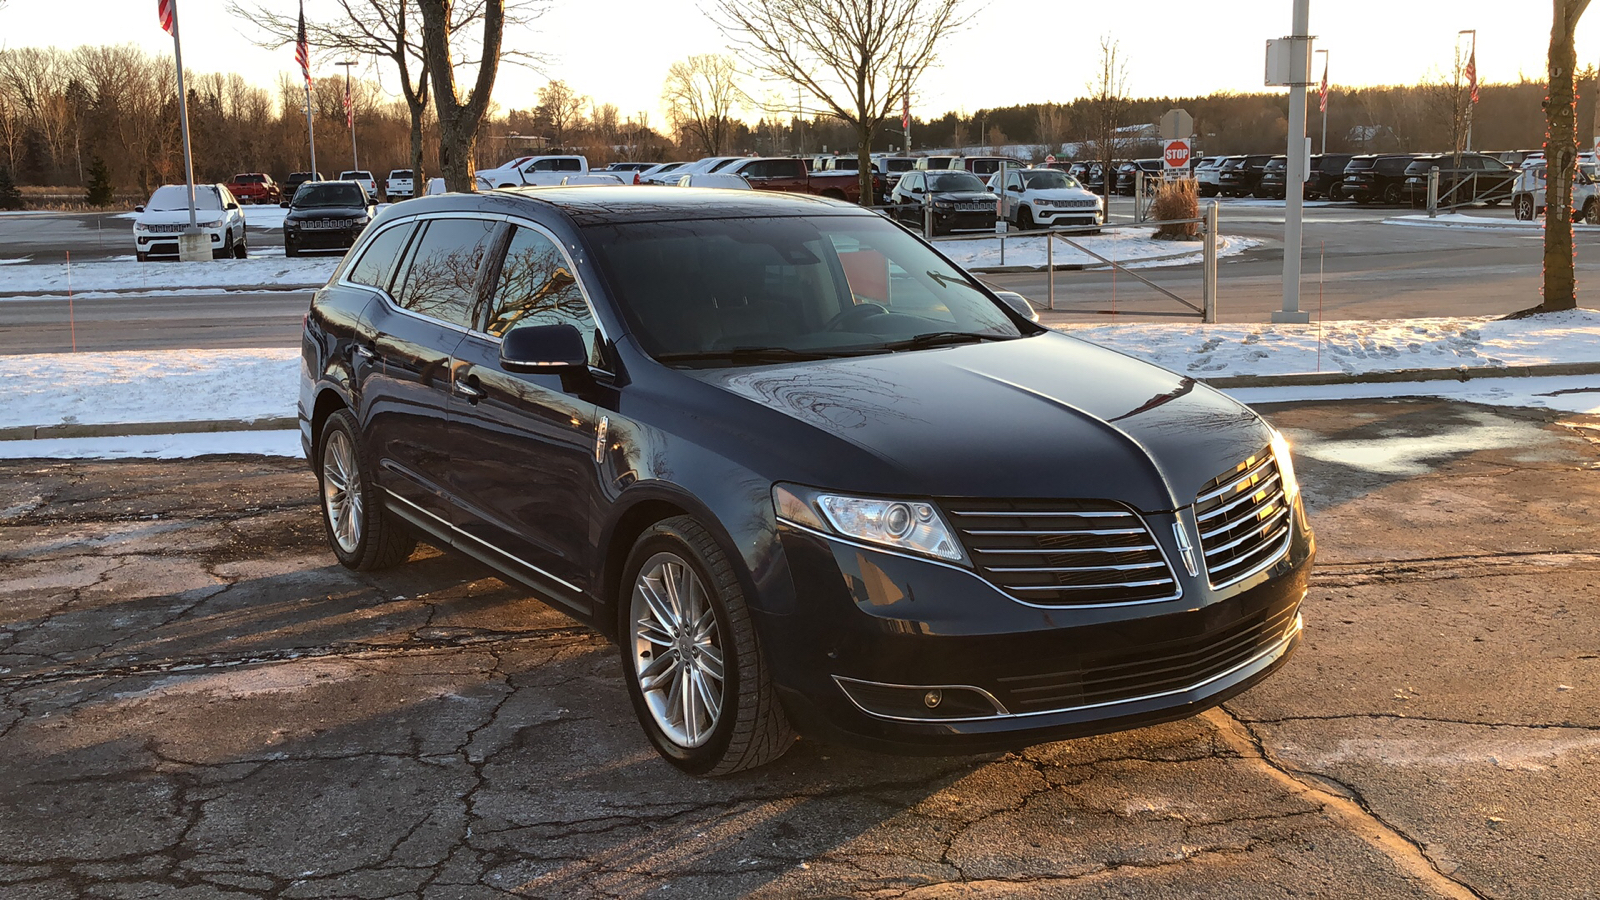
(1019,304)
(916,189)
(138,209)
(1016,188)
(543,349)
(233,206)
(283,205)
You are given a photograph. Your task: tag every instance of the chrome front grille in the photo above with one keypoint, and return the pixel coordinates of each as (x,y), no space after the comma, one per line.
(1064,552)
(974,205)
(1244,519)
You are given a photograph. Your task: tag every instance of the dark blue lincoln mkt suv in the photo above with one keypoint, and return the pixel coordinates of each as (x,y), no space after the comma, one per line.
(811,476)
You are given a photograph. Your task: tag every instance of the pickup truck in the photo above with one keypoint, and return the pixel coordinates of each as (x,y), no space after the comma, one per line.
(541,170)
(788,174)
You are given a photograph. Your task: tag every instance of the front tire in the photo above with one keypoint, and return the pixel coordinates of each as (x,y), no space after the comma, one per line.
(695,673)
(1025,219)
(363,535)
(1522,207)
(290,249)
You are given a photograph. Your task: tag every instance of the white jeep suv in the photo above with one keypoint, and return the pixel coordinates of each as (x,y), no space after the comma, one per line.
(166,215)
(1046,198)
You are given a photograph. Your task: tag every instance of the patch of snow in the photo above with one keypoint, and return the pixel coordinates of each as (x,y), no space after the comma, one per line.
(158,446)
(1487,223)
(1576,394)
(131,275)
(148,386)
(1131,245)
(1354,346)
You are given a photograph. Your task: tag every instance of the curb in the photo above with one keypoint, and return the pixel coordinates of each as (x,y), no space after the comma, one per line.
(125,429)
(1398,376)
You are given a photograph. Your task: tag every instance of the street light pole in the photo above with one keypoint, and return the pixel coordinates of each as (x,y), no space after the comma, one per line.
(350,113)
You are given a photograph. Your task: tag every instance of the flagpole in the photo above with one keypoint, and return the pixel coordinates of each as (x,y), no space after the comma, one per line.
(311,129)
(183,120)
(350,114)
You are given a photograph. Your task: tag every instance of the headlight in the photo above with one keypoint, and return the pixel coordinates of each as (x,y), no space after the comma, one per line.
(944,204)
(1280,452)
(911,525)
(360,221)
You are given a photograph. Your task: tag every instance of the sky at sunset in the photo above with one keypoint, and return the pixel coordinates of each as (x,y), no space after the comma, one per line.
(1013,52)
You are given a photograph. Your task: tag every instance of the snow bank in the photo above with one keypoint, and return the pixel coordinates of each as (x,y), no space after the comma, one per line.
(131,275)
(148,386)
(1127,246)
(157,446)
(1354,346)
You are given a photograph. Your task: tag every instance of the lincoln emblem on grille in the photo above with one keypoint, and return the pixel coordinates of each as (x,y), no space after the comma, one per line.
(1185,549)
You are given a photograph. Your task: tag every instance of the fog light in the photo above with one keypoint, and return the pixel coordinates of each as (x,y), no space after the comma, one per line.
(932,699)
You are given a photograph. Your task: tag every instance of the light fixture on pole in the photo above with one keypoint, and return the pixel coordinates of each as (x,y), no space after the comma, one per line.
(1323,100)
(350,113)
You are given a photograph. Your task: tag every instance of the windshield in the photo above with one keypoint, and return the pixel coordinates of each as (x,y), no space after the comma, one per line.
(955,181)
(176,196)
(352,176)
(782,288)
(400,173)
(249,179)
(900,165)
(322,194)
(1047,181)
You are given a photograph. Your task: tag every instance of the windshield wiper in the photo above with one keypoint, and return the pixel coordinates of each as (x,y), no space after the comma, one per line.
(942,339)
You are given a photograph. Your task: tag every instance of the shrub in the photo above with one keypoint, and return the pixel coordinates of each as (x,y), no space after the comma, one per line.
(1177,200)
(10,197)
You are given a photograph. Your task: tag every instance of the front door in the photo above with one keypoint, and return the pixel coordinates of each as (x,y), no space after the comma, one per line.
(525,467)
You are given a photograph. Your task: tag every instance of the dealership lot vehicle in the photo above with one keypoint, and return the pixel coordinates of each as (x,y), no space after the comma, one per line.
(1128,176)
(1471,179)
(1274,179)
(1369,178)
(788,174)
(1042,198)
(1240,178)
(254,187)
(535,170)
(1206,175)
(295,179)
(363,178)
(326,215)
(1528,194)
(958,201)
(1327,176)
(400,185)
(766,565)
(166,215)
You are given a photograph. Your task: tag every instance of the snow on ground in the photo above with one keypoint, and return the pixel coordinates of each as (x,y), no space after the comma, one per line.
(157,446)
(1354,346)
(148,386)
(1578,393)
(1131,245)
(132,275)
(1488,223)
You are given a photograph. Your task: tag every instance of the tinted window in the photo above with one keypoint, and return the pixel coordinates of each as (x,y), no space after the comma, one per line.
(249,179)
(537,287)
(1393,165)
(790,283)
(899,165)
(1493,165)
(444,269)
(1047,181)
(375,268)
(955,181)
(319,194)
(400,173)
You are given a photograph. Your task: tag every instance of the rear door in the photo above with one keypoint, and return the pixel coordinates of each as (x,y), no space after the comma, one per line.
(409,342)
(527,448)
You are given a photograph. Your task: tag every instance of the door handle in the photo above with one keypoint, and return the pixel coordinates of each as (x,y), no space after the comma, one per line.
(469,389)
(363,351)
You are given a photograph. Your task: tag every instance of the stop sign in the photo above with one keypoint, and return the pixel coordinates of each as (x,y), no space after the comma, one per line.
(1177,154)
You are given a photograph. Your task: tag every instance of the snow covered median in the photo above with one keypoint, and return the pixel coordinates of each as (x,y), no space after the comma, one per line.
(126,276)
(1133,246)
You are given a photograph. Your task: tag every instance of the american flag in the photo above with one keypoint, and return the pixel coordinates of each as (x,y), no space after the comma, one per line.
(302,51)
(167,10)
(1472,74)
(349,108)
(905,114)
(1324,86)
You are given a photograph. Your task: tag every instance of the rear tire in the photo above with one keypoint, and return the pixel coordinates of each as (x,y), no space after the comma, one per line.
(693,664)
(362,533)
(1522,207)
(1391,195)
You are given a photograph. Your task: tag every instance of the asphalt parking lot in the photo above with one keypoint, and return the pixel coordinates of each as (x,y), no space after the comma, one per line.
(196,702)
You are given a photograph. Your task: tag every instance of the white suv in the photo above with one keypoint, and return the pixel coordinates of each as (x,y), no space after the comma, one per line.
(400,186)
(363,178)
(1046,198)
(166,215)
(1528,193)
(1206,175)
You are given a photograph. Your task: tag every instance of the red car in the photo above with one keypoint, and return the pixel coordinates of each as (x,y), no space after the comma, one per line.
(255,187)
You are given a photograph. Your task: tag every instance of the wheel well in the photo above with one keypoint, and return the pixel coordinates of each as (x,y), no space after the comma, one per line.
(328,402)
(629,527)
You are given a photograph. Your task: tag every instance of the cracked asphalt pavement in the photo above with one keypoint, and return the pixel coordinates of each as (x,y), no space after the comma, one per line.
(197,702)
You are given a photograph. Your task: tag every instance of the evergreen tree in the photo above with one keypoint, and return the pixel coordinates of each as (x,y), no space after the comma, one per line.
(101,192)
(10,197)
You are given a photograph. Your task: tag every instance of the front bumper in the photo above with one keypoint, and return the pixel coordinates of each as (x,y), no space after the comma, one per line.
(947,221)
(323,238)
(166,243)
(873,632)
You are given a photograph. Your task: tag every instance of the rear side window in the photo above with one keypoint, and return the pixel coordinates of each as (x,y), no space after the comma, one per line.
(375,267)
(538,287)
(443,273)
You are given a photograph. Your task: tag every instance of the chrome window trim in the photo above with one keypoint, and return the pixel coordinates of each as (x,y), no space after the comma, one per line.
(1054,607)
(1277,649)
(452,529)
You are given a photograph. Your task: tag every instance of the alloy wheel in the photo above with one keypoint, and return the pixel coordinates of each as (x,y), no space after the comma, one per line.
(341,490)
(677,650)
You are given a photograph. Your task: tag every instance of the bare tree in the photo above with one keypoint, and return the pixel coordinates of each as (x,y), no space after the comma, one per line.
(561,109)
(699,94)
(1050,127)
(858,58)
(1561,152)
(460,119)
(1446,100)
(1108,107)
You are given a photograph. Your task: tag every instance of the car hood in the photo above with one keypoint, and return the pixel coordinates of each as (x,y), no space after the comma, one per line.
(327,212)
(177,216)
(963,196)
(1058,194)
(1047,416)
